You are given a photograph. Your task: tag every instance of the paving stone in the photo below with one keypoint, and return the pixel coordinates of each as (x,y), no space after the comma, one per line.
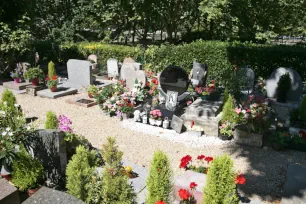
(15,86)
(8,193)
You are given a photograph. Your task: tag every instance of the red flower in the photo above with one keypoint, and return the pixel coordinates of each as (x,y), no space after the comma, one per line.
(154,87)
(200,157)
(54,77)
(184,194)
(47,79)
(193,185)
(240,179)
(160,202)
(192,124)
(148,83)
(209,159)
(185,161)
(155,81)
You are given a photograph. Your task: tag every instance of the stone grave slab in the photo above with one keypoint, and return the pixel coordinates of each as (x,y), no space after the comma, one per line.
(8,193)
(15,86)
(283,110)
(112,68)
(80,72)
(82,101)
(295,185)
(61,91)
(184,181)
(296,90)
(32,90)
(177,124)
(49,196)
(205,114)
(49,147)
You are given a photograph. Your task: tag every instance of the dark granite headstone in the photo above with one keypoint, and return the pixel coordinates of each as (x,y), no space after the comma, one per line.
(177,124)
(49,196)
(8,193)
(199,74)
(49,147)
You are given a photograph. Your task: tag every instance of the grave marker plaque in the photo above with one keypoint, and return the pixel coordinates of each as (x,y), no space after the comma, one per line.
(177,124)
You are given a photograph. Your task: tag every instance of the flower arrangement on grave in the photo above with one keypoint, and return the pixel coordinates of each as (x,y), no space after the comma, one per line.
(52,83)
(208,91)
(126,107)
(156,117)
(226,129)
(201,164)
(138,92)
(34,74)
(111,105)
(92,91)
(104,94)
(260,86)
(119,87)
(187,197)
(257,117)
(16,75)
(152,85)
(149,74)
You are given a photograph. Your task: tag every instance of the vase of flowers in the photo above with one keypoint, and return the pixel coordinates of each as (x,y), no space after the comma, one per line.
(156,117)
(126,109)
(226,132)
(16,76)
(34,74)
(52,83)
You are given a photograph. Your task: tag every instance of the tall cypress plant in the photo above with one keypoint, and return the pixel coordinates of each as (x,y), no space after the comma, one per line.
(228,111)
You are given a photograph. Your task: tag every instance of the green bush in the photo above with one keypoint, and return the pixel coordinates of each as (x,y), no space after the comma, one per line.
(159,181)
(225,95)
(51,70)
(115,185)
(51,121)
(27,172)
(220,186)
(9,97)
(228,113)
(80,171)
(302,110)
(34,73)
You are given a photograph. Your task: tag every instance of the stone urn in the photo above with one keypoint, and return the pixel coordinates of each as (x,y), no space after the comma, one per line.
(244,137)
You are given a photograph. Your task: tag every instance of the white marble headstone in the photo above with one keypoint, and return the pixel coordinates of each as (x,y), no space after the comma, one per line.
(129,74)
(112,68)
(79,72)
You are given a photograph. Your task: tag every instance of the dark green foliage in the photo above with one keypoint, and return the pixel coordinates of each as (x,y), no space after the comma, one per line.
(51,121)
(51,70)
(27,172)
(159,181)
(284,83)
(220,186)
(9,97)
(80,171)
(115,186)
(228,113)
(302,110)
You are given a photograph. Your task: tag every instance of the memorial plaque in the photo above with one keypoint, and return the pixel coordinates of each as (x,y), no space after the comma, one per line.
(171,100)
(177,124)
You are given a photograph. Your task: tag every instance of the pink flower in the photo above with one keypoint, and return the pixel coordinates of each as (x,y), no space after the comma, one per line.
(238,110)
(189,103)
(151,92)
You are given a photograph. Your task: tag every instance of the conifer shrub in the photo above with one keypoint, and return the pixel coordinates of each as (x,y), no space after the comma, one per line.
(9,98)
(220,186)
(51,70)
(115,185)
(159,182)
(302,110)
(225,95)
(228,113)
(79,172)
(51,121)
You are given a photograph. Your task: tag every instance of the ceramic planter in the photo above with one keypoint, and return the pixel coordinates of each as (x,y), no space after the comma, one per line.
(152,121)
(32,191)
(53,89)
(158,122)
(35,81)
(243,137)
(17,80)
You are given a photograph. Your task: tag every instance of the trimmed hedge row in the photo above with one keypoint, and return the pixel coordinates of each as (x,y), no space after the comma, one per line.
(220,56)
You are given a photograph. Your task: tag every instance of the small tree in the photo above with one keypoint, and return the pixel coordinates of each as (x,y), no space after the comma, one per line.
(115,185)
(302,110)
(228,113)
(51,121)
(159,182)
(9,98)
(80,171)
(51,70)
(220,187)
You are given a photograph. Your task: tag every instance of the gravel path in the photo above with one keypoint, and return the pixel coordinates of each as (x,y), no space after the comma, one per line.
(264,168)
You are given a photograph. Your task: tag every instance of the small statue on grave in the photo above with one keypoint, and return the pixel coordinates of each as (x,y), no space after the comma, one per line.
(137,116)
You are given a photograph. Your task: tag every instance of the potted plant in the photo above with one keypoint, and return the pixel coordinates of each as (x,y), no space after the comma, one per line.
(52,83)
(34,74)
(126,108)
(226,132)
(298,141)
(27,173)
(155,117)
(279,140)
(16,75)
(283,86)
(92,91)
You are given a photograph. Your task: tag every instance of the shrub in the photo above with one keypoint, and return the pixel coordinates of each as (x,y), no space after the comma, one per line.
(225,95)
(94,191)
(34,73)
(27,172)
(51,121)
(159,182)
(220,186)
(51,70)
(302,110)
(115,185)
(79,172)
(228,113)
(9,97)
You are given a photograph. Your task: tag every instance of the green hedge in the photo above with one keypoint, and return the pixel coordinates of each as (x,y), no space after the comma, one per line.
(219,56)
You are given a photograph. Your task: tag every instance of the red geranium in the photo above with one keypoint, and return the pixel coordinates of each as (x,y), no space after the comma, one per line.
(148,84)
(200,157)
(240,179)
(47,79)
(184,194)
(185,161)
(155,81)
(54,78)
(193,185)
(209,159)
(160,202)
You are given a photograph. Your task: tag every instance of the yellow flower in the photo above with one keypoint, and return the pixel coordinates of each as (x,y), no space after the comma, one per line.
(128,169)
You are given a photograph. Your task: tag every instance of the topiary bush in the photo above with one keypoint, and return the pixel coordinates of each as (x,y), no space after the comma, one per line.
(115,185)
(80,171)
(302,110)
(27,172)
(220,187)
(228,113)
(51,121)
(51,70)
(159,181)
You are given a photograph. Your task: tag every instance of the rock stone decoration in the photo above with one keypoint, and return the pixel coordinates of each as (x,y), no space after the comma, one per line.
(112,68)
(129,74)
(79,73)
(296,90)
(199,74)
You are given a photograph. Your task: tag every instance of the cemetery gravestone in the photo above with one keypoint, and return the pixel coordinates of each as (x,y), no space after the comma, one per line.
(199,74)
(248,77)
(296,84)
(80,72)
(8,193)
(129,74)
(49,147)
(128,60)
(112,68)
(177,124)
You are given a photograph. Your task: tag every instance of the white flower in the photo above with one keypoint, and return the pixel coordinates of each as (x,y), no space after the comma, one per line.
(5,103)
(4,133)
(8,129)
(10,134)
(16,105)
(28,128)
(244,111)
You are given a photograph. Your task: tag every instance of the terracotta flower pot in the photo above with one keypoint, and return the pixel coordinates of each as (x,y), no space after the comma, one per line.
(53,89)
(35,82)
(32,191)
(17,80)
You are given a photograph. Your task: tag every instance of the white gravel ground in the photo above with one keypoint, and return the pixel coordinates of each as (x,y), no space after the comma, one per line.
(264,168)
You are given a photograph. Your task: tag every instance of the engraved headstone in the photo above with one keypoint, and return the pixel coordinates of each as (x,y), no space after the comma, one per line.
(177,124)
(112,68)
(296,89)
(79,72)
(171,100)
